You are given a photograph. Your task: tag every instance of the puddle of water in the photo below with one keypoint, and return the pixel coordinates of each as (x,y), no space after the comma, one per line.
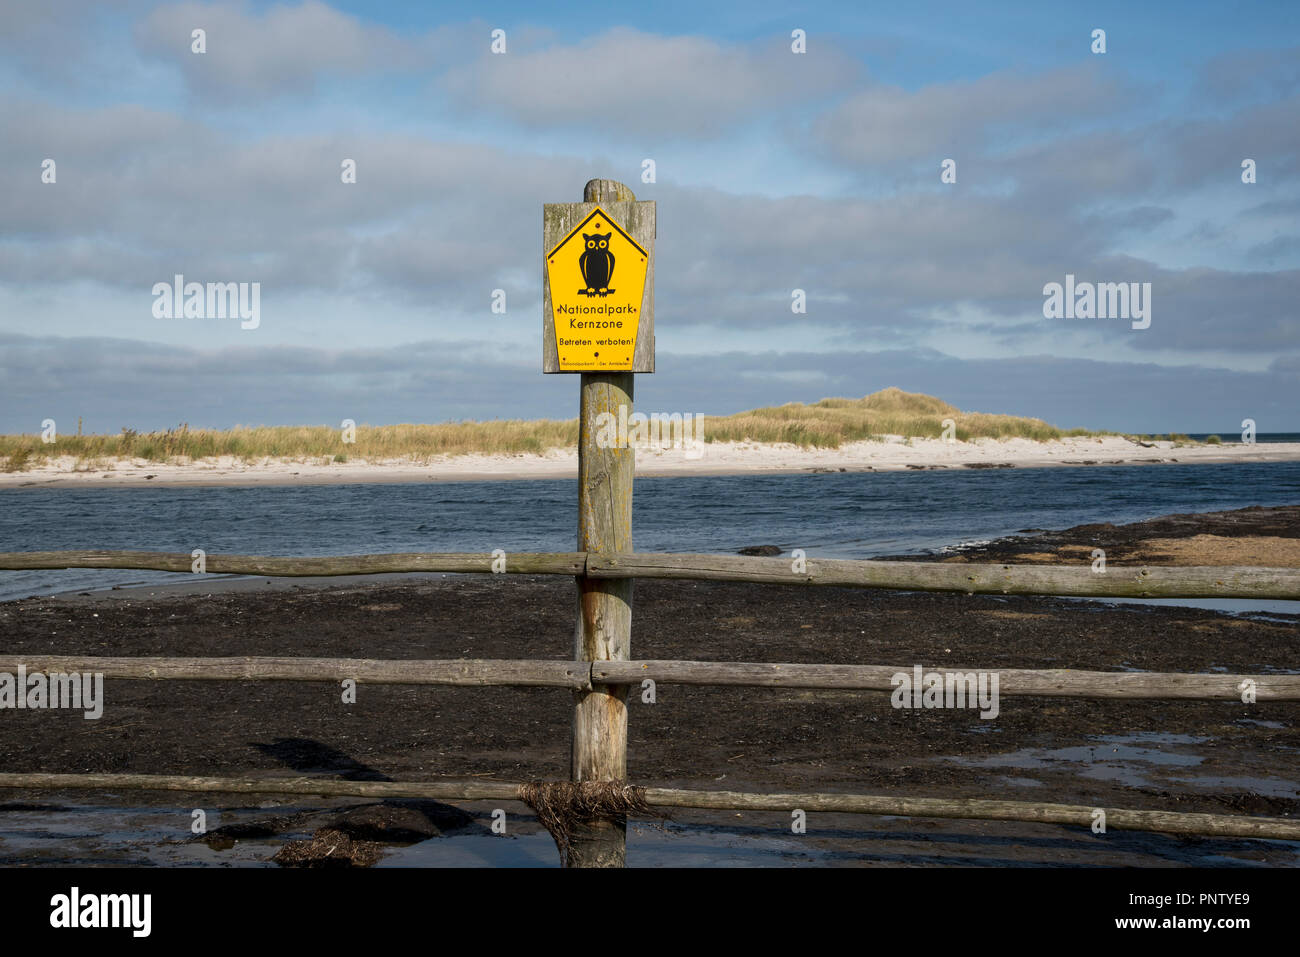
(1269,787)
(107,836)
(673,845)
(1264,609)
(95,836)
(1127,759)
(478,850)
(89,836)
(1110,759)
(1117,748)
(1023,782)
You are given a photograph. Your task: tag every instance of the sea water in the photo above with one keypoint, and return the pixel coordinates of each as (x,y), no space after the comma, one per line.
(828,515)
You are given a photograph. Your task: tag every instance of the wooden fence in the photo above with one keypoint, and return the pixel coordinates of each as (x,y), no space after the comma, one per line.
(602,842)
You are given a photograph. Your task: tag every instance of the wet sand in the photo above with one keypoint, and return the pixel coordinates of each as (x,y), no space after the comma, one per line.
(1263,537)
(1219,757)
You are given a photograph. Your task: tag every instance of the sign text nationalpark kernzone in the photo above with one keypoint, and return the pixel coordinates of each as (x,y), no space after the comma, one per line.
(57,689)
(598,288)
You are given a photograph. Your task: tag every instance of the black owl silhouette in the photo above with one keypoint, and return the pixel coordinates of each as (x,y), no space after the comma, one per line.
(597,265)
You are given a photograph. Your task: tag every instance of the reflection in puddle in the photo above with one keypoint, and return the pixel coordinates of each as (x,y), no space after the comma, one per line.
(88,836)
(1281,611)
(671,845)
(1129,759)
(1110,759)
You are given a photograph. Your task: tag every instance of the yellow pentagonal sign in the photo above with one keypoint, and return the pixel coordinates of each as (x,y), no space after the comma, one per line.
(597,278)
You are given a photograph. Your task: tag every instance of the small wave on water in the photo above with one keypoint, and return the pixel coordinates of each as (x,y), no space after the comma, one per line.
(960,547)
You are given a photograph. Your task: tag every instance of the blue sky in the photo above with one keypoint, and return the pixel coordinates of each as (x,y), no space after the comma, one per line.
(775,171)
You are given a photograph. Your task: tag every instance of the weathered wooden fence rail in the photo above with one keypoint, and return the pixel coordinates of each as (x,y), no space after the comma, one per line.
(1118,581)
(584,675)
(271,566)
(1175,822)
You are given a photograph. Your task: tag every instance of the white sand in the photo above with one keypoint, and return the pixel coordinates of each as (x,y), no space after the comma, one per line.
(720,458)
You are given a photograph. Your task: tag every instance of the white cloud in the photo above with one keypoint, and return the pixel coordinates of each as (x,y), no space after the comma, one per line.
(887,124)
(628,83)
(282,49)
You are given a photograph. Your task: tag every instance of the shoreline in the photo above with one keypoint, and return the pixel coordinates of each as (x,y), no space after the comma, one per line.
(723,458)
(1255,535)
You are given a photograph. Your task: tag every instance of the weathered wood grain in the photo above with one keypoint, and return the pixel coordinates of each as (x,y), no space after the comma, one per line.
(447,790)
(456,671)
(518,563)
(584,675)
(1116,582)
(1048,683)
(603,631)
(1171,822)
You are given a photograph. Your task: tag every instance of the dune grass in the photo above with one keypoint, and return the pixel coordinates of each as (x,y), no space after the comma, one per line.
(825,424)
(832,422)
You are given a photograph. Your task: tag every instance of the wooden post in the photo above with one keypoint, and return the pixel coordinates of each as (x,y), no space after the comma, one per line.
(604,620)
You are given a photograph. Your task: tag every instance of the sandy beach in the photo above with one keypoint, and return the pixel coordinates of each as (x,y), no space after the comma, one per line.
(895,453)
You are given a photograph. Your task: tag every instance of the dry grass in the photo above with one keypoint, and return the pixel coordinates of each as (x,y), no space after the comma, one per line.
(825,424)
(416,443)
(832,422)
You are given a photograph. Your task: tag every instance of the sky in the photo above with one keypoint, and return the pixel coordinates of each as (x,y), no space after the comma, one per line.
(773,171)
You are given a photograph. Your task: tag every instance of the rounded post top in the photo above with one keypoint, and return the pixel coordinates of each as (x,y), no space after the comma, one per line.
(607,191)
